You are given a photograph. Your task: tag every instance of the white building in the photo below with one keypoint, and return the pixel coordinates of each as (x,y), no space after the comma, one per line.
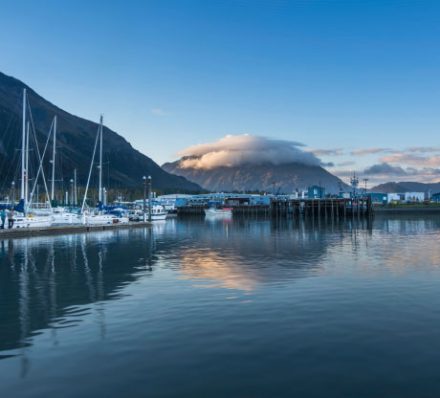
(395,197)
(411,197)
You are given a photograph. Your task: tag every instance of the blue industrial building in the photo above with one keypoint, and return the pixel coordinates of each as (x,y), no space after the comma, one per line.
(378,198)
(316,192)
(435,197)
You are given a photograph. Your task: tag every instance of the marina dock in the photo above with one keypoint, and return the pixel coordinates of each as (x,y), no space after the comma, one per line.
(67,229)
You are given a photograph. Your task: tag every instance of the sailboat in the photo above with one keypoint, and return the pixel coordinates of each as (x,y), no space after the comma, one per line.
(60,215)
(27,219)
(99,218)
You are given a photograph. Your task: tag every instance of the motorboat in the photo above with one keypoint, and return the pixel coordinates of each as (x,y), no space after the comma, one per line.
(218,212)
(158,213)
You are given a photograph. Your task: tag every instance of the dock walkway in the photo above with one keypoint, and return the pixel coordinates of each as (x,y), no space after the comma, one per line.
(66,229)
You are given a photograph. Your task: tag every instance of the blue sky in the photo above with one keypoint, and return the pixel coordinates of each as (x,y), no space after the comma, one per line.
(338,76)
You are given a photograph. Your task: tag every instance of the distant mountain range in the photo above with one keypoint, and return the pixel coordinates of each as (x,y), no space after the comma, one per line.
(284,178)
(123,167)
(407,186)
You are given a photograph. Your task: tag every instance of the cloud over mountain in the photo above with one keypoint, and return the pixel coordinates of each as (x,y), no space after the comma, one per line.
(246,149)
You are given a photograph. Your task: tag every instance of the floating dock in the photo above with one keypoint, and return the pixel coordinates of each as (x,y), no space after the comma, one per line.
(67,229)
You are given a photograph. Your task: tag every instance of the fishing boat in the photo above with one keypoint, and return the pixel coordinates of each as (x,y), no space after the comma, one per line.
(158,212)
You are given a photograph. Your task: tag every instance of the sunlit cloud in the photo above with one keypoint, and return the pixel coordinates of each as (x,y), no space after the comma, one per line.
(404,158)
(369,151)
(236,150)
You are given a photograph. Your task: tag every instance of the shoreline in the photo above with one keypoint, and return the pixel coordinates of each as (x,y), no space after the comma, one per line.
(407,210)
(76,229)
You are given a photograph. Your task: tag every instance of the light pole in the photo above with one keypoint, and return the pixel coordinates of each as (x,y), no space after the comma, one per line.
(145,198)
(13,192)
(71,192)
(149,198)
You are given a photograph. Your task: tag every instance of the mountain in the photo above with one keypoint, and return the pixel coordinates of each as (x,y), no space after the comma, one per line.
(123,166)
(407,186)
(284,178)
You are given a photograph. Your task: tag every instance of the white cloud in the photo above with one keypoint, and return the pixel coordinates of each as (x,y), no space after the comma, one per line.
(234,150)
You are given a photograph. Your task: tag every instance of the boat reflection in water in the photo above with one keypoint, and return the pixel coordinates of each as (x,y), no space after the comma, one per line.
(50,282)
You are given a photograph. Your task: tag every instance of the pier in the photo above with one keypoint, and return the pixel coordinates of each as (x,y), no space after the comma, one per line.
(331,208)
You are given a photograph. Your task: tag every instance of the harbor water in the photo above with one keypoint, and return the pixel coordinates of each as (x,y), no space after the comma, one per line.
(224,308)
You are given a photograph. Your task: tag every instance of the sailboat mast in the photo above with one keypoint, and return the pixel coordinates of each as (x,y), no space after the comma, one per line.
(52,188)
(75,189)
(23,146)
(100,196)
(26,168)
(101,199)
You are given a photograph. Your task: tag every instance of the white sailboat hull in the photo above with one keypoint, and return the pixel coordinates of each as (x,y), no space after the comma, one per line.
(104,219)
(32,222)
(66,219)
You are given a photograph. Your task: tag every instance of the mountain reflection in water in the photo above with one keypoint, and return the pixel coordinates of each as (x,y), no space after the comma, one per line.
(47,282)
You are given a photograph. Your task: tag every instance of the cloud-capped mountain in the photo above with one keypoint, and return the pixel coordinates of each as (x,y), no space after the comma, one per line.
(124,166)
(253,163)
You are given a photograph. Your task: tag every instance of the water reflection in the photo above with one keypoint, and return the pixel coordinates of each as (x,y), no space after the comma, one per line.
(247,253)
(224,308)
(49,282)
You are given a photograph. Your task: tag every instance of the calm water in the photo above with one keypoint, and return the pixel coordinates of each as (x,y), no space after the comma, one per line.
(224,309)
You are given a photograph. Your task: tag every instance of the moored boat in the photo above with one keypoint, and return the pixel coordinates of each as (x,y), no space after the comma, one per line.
(219,211)
(158,213)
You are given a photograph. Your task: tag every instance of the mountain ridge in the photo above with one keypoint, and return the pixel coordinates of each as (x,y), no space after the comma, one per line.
(406,186)
(283,178)
(75,140)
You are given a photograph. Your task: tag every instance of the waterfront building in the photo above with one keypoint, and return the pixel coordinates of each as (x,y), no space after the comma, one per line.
(395,197)
(412,197)
(316,192)
(435,197)
(378,198)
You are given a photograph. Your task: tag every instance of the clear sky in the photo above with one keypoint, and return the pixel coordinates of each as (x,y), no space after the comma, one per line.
(338,76)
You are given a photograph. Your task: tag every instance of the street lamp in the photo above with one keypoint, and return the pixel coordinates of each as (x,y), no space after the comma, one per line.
(13,192)
(71,192)
(145,194)
(149,198)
